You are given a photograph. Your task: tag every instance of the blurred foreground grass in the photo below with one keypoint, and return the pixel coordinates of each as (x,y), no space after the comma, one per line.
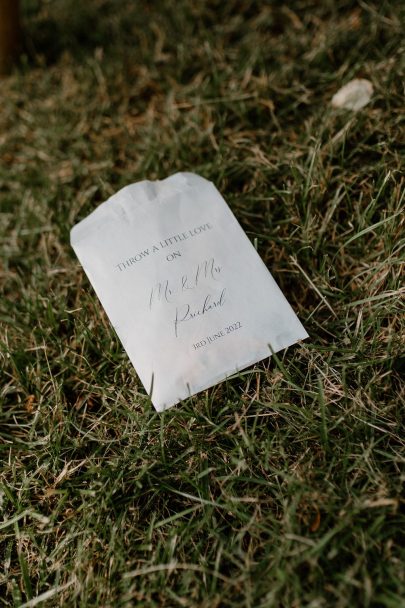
(281,487)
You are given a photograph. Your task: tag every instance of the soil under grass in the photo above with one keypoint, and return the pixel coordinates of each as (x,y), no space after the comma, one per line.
(280,487)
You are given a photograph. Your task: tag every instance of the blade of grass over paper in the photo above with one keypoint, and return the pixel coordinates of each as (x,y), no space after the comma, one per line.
(281,486)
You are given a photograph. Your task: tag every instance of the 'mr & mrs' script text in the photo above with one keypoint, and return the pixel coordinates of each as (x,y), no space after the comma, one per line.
(189,286)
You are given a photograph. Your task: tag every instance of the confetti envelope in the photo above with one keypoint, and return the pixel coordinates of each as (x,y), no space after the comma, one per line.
(182,285)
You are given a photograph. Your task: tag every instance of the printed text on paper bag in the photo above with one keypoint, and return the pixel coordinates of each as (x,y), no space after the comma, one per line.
(191,286)
(156,247)
(218,335)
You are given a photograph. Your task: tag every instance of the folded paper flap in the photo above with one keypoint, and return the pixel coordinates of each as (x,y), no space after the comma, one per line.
(127,204)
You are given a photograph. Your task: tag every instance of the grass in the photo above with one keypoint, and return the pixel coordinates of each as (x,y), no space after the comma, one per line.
(280,487)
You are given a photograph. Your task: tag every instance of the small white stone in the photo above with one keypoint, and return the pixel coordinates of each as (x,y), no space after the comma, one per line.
(354,95)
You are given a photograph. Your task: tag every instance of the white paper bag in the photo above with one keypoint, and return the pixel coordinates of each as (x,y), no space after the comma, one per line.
(182,285)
